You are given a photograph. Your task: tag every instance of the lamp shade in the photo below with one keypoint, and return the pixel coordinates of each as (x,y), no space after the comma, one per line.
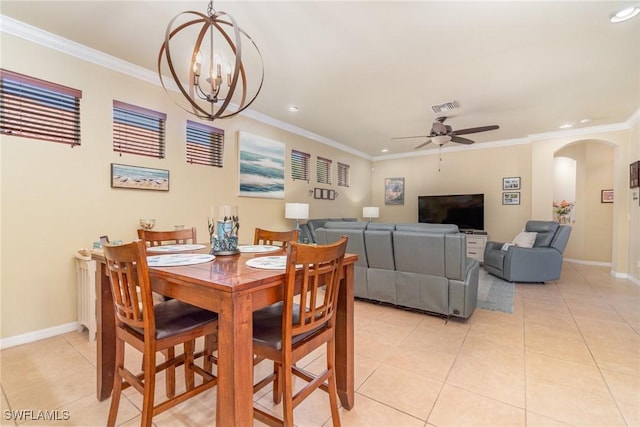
(370,212)
(296,211)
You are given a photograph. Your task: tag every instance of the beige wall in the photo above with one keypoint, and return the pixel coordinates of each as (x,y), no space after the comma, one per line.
(461,172)
(56,199)
(592,234)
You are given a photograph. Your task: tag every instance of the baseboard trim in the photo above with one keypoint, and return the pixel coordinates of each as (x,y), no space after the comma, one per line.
(595,263)
(38,335)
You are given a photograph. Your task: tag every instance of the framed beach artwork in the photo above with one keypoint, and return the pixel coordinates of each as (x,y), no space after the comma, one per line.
(394,191)
(511,198)
(261,166)
(139,178)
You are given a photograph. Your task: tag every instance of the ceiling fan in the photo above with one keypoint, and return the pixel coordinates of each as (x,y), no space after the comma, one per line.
(441,134)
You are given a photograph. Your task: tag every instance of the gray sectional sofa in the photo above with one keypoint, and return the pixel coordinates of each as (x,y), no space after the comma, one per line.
(420,266)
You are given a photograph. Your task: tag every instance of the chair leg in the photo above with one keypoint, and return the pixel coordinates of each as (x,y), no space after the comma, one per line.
(170,373)
(333,387)
(117,384)
(189,377)
(286,384)
(149,388)
(209,348)
(277,383)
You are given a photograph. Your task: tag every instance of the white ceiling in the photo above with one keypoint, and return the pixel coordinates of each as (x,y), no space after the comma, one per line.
(365,72)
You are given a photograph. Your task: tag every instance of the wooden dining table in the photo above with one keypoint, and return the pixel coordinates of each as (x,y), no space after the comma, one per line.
(234,290)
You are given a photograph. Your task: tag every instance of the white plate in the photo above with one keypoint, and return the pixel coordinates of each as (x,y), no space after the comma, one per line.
(268,262)
(258,248)
(175,248)
(175,260)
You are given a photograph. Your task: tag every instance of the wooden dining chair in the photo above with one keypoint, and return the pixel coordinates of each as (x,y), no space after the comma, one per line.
(152,328)
(178,237)
(276,238)
(287,331)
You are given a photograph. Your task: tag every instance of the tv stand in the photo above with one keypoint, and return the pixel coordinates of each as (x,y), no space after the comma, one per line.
(476,241)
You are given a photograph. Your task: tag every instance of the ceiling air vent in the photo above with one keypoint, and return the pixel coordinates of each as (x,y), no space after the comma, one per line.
(447,106)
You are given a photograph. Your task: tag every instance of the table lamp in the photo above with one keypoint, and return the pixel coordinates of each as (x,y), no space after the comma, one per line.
(296,211)
(370,212)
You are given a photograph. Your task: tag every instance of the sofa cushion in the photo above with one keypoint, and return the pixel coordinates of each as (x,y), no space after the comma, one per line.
(350,225)
(381,226)
(546,231)
(525,239)
(427,227)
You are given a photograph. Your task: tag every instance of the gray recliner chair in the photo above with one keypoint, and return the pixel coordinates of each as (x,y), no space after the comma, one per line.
(541,263)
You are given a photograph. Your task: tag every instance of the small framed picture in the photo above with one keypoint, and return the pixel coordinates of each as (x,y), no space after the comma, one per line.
(634,174)
(317,193)
(325,193)
(511,198)
(511,183)
(606,196)
(332,194)
(139,178)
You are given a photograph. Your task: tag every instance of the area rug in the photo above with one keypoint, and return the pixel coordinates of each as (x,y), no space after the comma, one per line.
(494,293)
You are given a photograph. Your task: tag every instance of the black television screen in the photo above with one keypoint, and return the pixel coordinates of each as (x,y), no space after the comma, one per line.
(464,210)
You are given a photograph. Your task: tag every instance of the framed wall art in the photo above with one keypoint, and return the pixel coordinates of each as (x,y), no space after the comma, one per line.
(139,178)
(394,191)
(511,183)
(634,174)
(511,198)
(606,196)
(261,167)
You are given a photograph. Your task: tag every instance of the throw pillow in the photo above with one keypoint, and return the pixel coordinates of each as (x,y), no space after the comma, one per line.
(525,239)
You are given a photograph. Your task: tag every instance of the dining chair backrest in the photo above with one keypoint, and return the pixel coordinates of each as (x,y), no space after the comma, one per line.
(158,238)
(313,273)
(277,238)
(129,277)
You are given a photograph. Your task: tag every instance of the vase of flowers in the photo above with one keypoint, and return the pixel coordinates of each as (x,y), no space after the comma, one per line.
(562,211)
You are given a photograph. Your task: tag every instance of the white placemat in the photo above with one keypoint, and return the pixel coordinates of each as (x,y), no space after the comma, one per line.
(175,248)
(175,260)
(258,248)
(268,262)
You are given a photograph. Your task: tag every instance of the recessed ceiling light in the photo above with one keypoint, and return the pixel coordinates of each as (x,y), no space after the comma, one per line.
(585,120)
(293,108)
(385,150)
(566,126)
(625,14)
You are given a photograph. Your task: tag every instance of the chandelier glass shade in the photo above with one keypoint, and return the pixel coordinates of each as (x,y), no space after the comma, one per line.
(216,72)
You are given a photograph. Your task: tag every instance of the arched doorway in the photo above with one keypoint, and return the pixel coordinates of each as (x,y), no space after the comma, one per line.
(591,218)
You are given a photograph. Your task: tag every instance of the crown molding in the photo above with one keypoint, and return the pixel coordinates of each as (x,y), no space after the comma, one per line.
(36,35)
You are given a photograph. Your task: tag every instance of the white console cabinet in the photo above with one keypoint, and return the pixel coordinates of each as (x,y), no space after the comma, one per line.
(475,246)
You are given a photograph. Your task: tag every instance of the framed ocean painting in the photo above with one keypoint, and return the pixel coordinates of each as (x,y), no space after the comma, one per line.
(261,166)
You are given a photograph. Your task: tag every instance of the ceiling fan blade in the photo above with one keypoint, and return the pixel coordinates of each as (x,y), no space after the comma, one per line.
(408,137)
(461,140)
(428,141)
(474,130)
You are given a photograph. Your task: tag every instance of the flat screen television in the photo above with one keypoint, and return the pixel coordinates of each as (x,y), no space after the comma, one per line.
(464,210)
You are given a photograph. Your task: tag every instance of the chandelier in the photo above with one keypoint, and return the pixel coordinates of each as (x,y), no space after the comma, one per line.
(216,74)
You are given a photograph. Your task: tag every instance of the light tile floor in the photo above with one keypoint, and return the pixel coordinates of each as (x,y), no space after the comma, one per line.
(569,355)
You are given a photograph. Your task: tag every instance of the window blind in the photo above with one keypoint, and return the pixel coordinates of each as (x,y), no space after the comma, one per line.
(323,170)
(137,130)
(204,144)
(300,165)
(344,176)
(37,109)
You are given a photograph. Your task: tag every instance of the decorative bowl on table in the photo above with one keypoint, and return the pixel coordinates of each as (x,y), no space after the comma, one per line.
(147,224)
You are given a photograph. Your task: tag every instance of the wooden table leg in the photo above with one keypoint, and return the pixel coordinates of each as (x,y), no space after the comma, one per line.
(106,327)
(344,340)
(235,363)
